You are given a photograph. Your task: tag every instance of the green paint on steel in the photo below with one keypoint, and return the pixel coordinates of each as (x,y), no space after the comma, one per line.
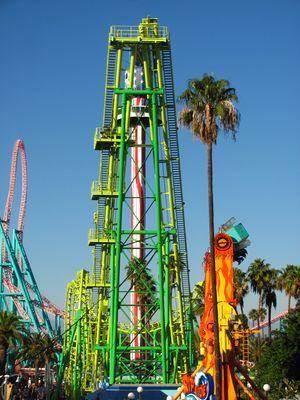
(21,276)
(118,241)
(103,345)
(159,235)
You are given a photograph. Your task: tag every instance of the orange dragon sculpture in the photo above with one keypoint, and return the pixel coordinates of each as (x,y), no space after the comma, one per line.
(200,384)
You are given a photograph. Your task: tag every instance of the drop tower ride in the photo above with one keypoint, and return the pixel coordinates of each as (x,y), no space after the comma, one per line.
(129,319)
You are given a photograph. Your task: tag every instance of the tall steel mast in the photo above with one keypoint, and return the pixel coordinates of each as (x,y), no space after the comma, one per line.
(129,318)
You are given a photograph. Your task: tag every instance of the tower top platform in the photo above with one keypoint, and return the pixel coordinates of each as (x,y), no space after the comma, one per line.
(148,31)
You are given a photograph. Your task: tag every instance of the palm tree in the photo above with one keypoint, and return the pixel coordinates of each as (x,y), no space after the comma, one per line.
(32,350)
(144,285)
(209,108)
(256,276)
(40,349)
(241,287)
(256,348)
(140,276)
(11,329)
(239,255)
(197,298)
(49,356)
(254,316)
(289,282)
(262,314)
(269,294)
(257,315)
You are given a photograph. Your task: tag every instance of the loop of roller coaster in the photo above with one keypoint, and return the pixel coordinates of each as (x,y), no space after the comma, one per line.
(19,149)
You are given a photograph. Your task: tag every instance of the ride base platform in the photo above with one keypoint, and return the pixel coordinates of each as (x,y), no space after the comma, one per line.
(120,392)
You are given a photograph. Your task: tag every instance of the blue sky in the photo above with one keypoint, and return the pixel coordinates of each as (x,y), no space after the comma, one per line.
(52,71)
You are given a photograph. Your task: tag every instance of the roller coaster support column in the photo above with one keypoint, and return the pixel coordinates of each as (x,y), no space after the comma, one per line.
(129,93)
(138,293)
(65,358)
(159,233)
(118,240)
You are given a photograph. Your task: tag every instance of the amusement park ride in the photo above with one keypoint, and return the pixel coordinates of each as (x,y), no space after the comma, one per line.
(19,291)
(233,337)
(129,320)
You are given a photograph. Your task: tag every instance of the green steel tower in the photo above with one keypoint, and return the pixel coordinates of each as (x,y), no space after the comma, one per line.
(129,320)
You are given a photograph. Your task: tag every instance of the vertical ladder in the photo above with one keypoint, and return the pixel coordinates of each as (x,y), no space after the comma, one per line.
(109,86)
(107,120)
(176,180)
(101,211)
(245,348)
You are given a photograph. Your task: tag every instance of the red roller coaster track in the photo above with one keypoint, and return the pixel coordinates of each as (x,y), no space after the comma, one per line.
(277,317)
(19,148)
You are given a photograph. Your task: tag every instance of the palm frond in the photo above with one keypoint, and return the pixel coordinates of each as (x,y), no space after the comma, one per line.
(186,117)
(229,117)
(209,107)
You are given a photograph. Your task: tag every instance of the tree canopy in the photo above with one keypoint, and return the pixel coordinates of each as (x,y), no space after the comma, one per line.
(209,107)
(279,363)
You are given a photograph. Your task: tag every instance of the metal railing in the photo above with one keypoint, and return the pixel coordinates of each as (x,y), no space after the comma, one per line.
(134,31)
(104,133)
(97,236)
(96,187)
(93,235)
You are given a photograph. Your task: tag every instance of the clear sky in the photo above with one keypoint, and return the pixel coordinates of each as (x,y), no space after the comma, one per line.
(52,70)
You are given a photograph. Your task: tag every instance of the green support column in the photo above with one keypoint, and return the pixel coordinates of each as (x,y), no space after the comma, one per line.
(77,370)
(167,298)
(112,307)
(135,306)
(112,370)
(159,236)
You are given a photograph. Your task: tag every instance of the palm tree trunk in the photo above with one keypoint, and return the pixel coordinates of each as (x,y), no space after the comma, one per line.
(3,358)
(242,308)
(218,360)
(259,312)
(36,370)
(259,303)
(289,303)
(47,377)
(269,320)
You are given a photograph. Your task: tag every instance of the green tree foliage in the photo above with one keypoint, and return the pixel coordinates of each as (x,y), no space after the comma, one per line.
(269,292)
(262,314)
(279,363)
(257,315)
(241,287)
(11,329)
(39,349)
(142,280)
(253,315)
(32,350)
(256,347)
(197,298)
(239,255)
(208,108)
(256,276)
(243,320)
(289,282)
